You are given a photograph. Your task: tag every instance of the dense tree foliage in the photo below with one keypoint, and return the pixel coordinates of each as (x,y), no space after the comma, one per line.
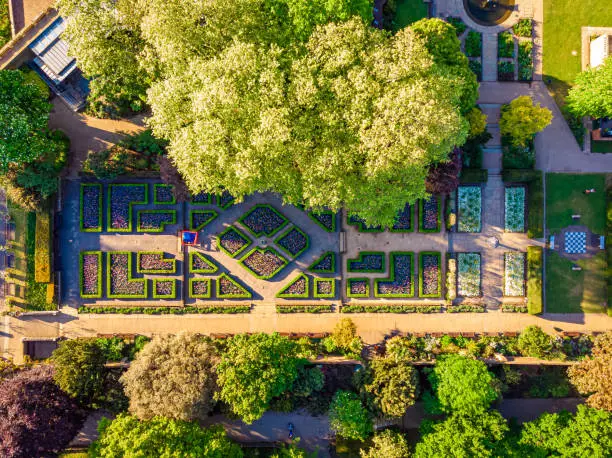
(344,339)
(521,119)
(348,417)
(443,178)
(588,433)
(387,444)
(591,94)
(254,369)
(389,387)
(37,419)
(460,435)
(593,375)
(173,377)
(79,368)
(298,97)
(163,437)
(533,341)
(462,385)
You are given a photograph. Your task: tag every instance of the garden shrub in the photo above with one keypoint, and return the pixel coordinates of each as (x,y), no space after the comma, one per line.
(354,220)
(474,176)
(518,157)
(148,310)
(466,308)
(457,23)
(451,279)
(144,142)
(505,71)
(505,44)
(523,28)
(476,67)
(348,418)
(292,308)
(344,339)
(390,308)
(106,164)
(534,280)
(42,255)
(473,44)
(514,308)
(535,197)
(534,342)
(525,60)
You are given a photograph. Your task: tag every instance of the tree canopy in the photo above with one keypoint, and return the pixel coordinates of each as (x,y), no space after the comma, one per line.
(254,369)
(462,385)
(128,436)
(521,119)
(36,417)
(387,444)
(173,377)
(298,97)
(348,417)
(591,94)
(24,114)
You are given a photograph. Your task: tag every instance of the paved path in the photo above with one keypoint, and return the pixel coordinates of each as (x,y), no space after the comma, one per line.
(25,11)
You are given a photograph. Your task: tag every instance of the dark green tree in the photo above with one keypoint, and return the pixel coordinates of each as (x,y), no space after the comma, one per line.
(348,417)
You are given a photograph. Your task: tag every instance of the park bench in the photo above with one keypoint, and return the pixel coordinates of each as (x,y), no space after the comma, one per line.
(576,267)
(575,216)
(552,242)
(602,242)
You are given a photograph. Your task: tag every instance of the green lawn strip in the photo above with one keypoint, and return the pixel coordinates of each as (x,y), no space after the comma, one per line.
(601,147)
(321,281)
(193,282)
(570,291)
(286,294)
(565,197)
(5,23)
(171,295)
(36,293)
(408,12)
(534,280)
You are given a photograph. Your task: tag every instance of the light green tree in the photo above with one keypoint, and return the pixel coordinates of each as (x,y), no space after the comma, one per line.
(591,94)
(348,417)
(387,444)
(534,342)
(521,119)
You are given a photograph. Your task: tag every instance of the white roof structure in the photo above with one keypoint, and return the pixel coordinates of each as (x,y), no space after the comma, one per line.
(600,49)
(52,53)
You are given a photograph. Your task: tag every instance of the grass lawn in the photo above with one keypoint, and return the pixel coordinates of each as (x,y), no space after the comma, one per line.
(408,11)
(5,23)
(569,291)
(565,197)
(601,147)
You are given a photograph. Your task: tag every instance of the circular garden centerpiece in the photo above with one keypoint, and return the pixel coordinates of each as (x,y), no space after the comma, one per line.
(489,12)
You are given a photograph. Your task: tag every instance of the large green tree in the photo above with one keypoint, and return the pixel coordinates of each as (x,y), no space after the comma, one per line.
(24,114)
(129,437)
(254,369)
(462,385)
(521,119)
(348,417)
(173,377)
(387,444)
(592,93)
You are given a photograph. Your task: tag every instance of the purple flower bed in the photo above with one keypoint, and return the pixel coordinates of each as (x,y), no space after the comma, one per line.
(201,264)
(201,218)
(120,283)
(403,221)
(430,214)
(430,269)
(326,219)
(326,264)
(121,198)
(367,262)
(164,287)
(225,200)
(233,242)
(293,242)
(155,262)
(325,287)
(200,287)
(90,205)
(156,220)
(263,220)
(163,194)
(402,278)
(264,263)
(228,288)
(203,198)
(297,288)
(358,287)
(90,275)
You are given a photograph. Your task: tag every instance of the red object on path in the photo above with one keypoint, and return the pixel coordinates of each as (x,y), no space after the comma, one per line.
(189,238)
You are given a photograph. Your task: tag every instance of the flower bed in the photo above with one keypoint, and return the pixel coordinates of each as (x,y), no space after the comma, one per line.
(166,310)
(155,220)
(121,198)
(354,220)
(225,200)
(469,202)
(199,288)
(292,308)
(162,194)
(326,219)
(429,214)
(204,198)
(199,263)
(430,274)
(199,219)
(403,220)
(91,274)
(468,274)
(451,278)
(505,71)
(324,288)
(153,262)
(120,284)
(514,274)
(91,207)
(358,287)
(505,44)
(400,282)
(525,61)
(263,263)
(326,264)
(473,44)
(228,288)
(367,261)
(164,288)
(296,289)
(293,242)
(514,209)
(263,220)
(232,242)
(391,308)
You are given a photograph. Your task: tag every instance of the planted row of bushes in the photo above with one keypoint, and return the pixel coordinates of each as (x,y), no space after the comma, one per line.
(42,253)
(293,308)
(514,308)
(535,197)
(391,308)
(466,308)
(166,310)
(534,280)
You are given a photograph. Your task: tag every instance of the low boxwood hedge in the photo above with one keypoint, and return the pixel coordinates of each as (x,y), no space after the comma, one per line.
(466,308)
(206,266)
(298,288)
(325,219)
(376,255)
(422,227)
(196,281)
(129,279)
(392,279)
(170,295)
(469,176)
(292,308)
(166,217)
(166,310)
(228,288)
(320,281)
(325,264)
(514,308)
(391,308)
(534,280)
(437,255)
(161,192)
(352,282)
(170,262)
(98,293)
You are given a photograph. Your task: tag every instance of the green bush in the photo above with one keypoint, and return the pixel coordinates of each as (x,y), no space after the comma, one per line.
(523,28)
(609,248)
(29,75)
(391,308)
(5,23)
(505,71)
(518,157)
(473,44)
(505,45)
(165,310)
(525,60)
(534,342)
(466,308)
(535,198)
(107,164)
(534,280)
(144,142)
(476,67)
(42,256)
(458,24)
(474,176)
(303,308)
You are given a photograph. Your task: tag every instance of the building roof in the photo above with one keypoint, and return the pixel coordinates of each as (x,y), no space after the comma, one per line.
(52,53)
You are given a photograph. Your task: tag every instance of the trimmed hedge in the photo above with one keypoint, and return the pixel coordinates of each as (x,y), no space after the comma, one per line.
(451,278)
(98,294)
(160,255)
(314,266)
(360,259)
(171,295)
(534,280)
(422,270)
(109,292)
(89,213)
(349,285)
(42,248)
(318,281)
(514,308)
(257,251)
(422,215)
(160,192)
(474,176)
(238,233)
(240,292)
(194,295)
(325,219)
(303,308)
(225,200)
(284,293)
(193,256)
(391,308)
(392,276)
(399,226)
(466,308)
(130,186)
(209,216)
(264,232)
(535,197)
(281,242)
(166,310)
(169,218)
